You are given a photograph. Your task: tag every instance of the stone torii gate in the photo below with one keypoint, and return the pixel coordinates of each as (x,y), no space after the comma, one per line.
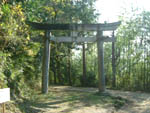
(99,28)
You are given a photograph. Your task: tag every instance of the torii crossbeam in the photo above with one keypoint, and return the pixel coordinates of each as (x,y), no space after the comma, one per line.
(99,28)
(75,27)
(81,39)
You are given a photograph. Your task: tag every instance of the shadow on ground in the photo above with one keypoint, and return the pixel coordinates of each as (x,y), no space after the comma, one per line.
(69,100)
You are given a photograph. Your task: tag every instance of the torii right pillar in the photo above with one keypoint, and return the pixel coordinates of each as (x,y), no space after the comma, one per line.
(100,49)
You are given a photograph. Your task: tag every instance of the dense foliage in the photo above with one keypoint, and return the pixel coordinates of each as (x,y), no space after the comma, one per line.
(132,52)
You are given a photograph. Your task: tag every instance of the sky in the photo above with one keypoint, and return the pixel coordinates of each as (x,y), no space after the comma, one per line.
(111,9)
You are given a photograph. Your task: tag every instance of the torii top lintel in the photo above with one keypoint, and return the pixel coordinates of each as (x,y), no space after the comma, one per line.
(75,27)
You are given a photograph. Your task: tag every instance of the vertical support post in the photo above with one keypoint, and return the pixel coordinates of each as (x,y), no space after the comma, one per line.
(46,61)
(101,76)
(3,105)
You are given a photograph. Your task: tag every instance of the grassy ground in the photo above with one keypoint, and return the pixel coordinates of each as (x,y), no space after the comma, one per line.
(65,99)
(68,100)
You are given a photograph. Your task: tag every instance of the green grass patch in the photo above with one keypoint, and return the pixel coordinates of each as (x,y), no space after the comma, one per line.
(71,100)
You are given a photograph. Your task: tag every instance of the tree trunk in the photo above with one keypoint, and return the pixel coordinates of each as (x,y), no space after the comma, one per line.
(55,78)
(59,72)
(113,65)
(84,65)
(69,67)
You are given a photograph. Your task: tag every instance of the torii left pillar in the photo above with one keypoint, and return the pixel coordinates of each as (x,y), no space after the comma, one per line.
(100,49)
(46,62)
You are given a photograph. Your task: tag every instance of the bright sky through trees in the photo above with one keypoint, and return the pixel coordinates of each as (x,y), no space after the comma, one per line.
(111,9)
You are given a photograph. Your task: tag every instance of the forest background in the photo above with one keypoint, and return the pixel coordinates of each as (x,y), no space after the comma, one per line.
(21,47)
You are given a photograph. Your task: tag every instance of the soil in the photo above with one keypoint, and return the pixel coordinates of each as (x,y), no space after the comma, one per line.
(67,99)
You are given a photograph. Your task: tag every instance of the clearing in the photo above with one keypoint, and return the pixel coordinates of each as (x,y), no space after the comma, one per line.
(66,99)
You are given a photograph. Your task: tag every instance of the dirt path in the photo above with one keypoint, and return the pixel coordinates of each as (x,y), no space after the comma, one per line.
(66,99)
(139,102)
